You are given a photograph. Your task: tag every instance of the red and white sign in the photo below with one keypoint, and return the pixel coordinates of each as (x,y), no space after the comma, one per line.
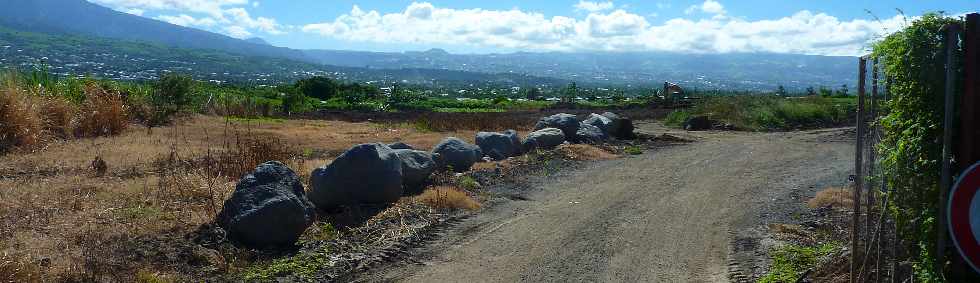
(964,215)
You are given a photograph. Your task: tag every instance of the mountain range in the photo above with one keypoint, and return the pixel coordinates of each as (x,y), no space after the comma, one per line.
(747,71)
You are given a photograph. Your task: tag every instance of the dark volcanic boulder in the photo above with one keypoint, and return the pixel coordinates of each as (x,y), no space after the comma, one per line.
(268,208)
(599,121)
(620,128)
(400,145)
(567,123)
(365,174)
(417,165)
(499,146)
(515,139)
(698,123)
(547,138)
(457,154)
(590,134)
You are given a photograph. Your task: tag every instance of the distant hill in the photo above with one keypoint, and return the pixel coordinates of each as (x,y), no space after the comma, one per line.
(751,71)
(258,41)
(70,55)
(82,17)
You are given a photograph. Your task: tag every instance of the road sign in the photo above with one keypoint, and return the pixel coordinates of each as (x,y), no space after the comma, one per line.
(963,214)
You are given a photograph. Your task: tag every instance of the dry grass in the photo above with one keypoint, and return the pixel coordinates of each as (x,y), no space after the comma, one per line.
(103,113)
(585,152)
(838,198)
(21,124)
(158,188)
(445,197)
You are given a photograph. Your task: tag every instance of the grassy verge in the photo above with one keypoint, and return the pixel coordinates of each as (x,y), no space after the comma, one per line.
(791,261)
(767,113)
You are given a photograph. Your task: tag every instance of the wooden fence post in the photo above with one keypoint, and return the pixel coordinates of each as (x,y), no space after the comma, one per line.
(969,135)
(858,172)
(951,38)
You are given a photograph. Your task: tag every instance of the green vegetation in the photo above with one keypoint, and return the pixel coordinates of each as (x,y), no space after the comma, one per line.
(303,265)
(790,261)
(468,183)
(913,59)
(633,150)
(766,112)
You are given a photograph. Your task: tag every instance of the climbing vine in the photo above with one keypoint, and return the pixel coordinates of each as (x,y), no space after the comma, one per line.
(913,60)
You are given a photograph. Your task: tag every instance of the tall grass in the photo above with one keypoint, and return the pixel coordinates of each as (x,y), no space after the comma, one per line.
(36,109)
(760,113)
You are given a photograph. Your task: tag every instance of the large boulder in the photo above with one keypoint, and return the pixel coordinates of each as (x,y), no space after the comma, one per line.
(602,122)
(268,208)
(590,134)
(698,123)
(365,174)
(515,139)
(621,127)
(417,165)
(546,138)
(499,146)
(567,123)
(400,145)
(457,154)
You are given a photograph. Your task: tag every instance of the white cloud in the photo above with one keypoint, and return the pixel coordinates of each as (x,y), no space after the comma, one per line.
(237,32)
(618,30)
(225,16)
(188,21)
(709,7)
(590,6)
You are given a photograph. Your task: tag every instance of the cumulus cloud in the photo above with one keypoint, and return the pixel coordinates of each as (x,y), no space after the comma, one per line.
(590,6)
(709,7)
(225,16)
(804,32)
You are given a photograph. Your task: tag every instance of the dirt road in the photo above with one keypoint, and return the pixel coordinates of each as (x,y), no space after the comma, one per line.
(667,215)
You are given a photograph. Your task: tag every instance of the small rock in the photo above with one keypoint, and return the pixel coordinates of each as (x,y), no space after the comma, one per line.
(365,174)
(698,123)
(457,154)
(268,208)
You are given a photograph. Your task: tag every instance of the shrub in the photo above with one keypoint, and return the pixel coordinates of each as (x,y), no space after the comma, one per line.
(447,198)
(59,117)
(103,113)
(21,124)
(840,198)
(790,261)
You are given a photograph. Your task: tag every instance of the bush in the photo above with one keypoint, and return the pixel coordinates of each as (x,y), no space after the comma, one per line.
(103,113)
(171,95)
(21,124)
(911,146)
(447,198)
(759,113)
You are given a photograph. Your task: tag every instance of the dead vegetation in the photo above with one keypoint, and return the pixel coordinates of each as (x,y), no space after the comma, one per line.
(834,197)
(445,197)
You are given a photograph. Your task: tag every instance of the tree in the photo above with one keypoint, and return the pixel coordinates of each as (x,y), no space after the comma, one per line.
(172,91)
(810,91)
(318,87)
(533,93)
(781,91)
(826,92)
(292,99)
(570,92)
(842,91)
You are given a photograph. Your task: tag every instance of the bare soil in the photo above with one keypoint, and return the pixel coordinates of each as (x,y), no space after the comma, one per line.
(689,213)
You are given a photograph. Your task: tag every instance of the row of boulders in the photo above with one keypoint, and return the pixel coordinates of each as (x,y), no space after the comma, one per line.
(271,208)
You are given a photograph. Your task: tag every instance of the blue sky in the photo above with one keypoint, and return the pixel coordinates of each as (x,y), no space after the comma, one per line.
(833,27)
